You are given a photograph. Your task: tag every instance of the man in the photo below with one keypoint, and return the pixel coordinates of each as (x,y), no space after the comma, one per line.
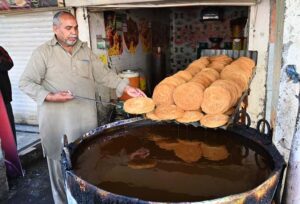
(6,64)
(57,71)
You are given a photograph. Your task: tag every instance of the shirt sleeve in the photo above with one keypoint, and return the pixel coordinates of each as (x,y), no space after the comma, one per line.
(31,79)
(107,77)
(6,62)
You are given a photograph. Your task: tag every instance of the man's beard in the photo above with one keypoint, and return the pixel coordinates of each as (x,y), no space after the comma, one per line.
(71,43)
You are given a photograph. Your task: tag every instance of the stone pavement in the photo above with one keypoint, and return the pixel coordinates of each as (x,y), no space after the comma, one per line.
(34,187)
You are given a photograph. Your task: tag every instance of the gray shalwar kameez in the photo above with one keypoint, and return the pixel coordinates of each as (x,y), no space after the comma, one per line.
(53,69)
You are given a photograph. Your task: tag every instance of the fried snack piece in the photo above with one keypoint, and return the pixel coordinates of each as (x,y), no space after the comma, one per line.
(139,105)
(173,81)
(249,63)
(163,94)
(204,60)
(195,67)
(239,76)
(229,111)
(218,66)
(188,96)
(216,100)
(201,79)
(240,64)
(190,116)
(168,112)
(151,115)
(188,152)
(185,75)
(142,163)
(214,120)
(214,153)
(231,88)
(220,58)
(212,74)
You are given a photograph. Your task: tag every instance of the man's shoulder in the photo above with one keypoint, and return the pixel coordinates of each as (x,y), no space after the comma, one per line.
(43,48)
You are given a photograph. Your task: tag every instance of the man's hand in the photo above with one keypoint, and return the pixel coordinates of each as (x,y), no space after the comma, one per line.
(61,96)
(134,92)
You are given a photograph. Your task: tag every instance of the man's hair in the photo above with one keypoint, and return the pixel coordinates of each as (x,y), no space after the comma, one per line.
(56,17)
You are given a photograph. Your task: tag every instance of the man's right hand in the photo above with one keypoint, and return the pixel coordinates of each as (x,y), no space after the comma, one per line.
(61,96)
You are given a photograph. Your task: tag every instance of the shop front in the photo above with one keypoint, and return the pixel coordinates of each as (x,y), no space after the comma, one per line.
(24,26)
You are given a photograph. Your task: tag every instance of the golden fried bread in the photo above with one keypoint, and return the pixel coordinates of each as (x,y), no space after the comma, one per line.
(190,116)
(216,66)
(139,105)
(214,120)
(173,81)
(184,75)
(239,76)
(230,87)
(202,80)
(168,112)
(193,69)
(230,111)
(220,58)
(203,60)
(151,115)
(188,96)
(212,74)
(216,99)
(163,94)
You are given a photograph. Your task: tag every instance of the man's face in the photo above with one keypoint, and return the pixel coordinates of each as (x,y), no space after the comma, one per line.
(67,31)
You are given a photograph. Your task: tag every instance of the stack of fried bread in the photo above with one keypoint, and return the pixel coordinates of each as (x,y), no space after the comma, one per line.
(206,91)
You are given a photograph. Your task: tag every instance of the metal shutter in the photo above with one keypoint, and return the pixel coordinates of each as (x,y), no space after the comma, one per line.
(157,3)
(20,34)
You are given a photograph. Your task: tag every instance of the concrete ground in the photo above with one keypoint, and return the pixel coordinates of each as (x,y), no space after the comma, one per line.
(34,187)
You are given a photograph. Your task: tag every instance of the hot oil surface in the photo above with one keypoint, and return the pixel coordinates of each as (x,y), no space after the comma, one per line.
(171,163)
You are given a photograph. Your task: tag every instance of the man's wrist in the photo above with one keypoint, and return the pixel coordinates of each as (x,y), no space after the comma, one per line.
(50,97)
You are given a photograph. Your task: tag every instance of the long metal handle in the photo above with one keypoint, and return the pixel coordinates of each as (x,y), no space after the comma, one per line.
(97,101)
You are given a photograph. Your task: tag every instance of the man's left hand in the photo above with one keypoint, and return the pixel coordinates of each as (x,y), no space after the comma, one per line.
(134,92)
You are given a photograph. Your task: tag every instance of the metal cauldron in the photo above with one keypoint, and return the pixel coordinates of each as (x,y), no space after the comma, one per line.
(80,191)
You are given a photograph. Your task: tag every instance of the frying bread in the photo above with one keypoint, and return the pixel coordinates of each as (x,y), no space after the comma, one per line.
(168,112)
(216,99)
(214,120)
(214,153)
(163,94)
(184,75)
(151,115)
(190,116)
(139,105)
(188,96)
(231,88)
(188,153)
(173,81)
